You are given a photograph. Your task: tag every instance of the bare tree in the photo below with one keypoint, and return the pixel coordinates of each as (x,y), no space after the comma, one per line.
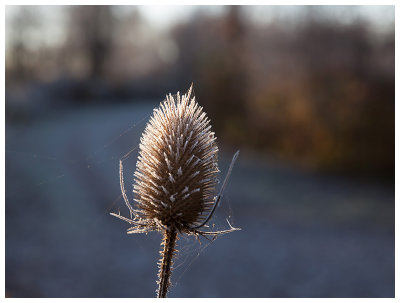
(18,52)
(91,36)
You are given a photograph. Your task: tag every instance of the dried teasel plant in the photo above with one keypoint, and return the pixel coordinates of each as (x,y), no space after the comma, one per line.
(175,178)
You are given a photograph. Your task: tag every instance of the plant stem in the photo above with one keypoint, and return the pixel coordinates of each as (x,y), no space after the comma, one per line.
(164,274)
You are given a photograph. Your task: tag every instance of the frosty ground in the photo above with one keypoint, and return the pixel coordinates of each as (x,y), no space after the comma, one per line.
(303,234)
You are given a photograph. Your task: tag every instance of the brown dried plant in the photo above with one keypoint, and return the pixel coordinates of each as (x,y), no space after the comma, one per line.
(175,178)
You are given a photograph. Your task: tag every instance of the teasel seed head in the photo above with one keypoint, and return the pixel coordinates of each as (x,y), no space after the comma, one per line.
(176,172)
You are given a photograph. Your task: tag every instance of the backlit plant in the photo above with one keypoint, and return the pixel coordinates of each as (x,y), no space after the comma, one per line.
(175,178)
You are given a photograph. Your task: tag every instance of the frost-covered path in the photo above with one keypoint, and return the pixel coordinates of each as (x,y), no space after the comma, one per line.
(302,235)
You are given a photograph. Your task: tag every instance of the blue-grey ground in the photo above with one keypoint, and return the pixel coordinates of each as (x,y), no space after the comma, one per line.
(303,235)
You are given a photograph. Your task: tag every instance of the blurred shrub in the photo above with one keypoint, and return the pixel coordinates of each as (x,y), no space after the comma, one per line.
(320,94)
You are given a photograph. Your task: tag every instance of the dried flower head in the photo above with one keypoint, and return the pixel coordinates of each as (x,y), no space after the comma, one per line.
(177,169)
(175,177)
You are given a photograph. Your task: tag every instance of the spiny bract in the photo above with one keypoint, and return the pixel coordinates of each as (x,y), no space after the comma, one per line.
(176,172)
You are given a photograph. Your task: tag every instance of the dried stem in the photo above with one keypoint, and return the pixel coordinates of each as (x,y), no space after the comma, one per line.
(170,237)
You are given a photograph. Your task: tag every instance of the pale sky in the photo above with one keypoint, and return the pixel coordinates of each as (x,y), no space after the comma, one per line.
(162,17)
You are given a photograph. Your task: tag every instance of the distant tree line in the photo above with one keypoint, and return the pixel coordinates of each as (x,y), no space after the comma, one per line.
(320,94)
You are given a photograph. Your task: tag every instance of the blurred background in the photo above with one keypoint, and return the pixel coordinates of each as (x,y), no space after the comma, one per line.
(305,92)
